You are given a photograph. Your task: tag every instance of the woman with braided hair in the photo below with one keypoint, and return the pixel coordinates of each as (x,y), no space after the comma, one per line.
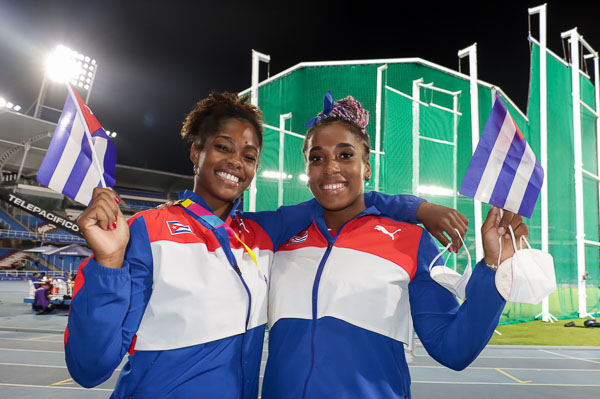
(183,289)
(347,291)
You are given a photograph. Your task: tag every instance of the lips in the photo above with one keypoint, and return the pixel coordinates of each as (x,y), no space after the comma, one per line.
(228,176)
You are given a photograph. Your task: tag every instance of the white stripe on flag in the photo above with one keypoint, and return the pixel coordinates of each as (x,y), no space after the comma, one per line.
(68,157)
(92,177)
(522,178)
(494,165)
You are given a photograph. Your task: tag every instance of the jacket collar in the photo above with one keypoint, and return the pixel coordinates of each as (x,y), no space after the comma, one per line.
(320,220)
(189,194)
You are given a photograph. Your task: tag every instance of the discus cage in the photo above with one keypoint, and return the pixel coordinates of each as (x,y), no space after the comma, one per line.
(424,126)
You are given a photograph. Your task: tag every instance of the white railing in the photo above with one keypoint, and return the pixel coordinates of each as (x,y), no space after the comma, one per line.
(29,273)
(27,235)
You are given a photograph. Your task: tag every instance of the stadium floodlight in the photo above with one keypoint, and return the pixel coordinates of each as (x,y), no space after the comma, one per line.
(9,105)
(66,65)
(111,134)
(62,65)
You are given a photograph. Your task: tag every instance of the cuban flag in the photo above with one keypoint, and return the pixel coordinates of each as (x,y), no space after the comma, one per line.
(69,166)
(504,170)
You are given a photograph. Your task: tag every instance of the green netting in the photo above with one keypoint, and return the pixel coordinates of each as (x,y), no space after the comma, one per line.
(301,93)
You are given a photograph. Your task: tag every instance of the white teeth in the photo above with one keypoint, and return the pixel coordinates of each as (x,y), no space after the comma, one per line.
(228,176)
(334,186)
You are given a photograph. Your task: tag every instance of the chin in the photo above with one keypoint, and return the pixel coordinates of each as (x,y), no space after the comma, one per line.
(333,205)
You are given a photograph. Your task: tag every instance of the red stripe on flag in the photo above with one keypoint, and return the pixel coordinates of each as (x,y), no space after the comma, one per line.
(517,127)
(89,117)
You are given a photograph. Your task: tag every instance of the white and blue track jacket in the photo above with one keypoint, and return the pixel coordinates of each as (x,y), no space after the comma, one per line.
(189,305)
(342,310)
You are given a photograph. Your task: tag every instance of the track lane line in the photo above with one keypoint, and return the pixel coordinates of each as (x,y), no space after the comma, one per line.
(54,387)
(570,357)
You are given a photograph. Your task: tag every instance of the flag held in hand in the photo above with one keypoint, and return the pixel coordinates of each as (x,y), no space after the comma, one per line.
(504,170)
(81,156)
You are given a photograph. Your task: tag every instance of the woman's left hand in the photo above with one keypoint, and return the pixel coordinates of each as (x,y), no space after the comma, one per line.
(439,219)
(490,232)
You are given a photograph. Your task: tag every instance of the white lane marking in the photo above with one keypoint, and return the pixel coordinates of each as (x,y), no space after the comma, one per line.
(570,357)
(42,336)
(30,340)
(32,365)
(506,383)
(525,357)
(505,368)
(29,350)
(39,365)
(54,387)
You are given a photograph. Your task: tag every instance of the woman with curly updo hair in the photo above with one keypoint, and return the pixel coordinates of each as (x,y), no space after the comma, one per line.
(183,289)
(348,292)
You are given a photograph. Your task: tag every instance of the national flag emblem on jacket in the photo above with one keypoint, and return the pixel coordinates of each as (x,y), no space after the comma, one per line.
(69,166)
(504,170)
(176,227)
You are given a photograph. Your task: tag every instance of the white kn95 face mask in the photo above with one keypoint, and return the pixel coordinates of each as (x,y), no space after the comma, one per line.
(451,280)
(527,277)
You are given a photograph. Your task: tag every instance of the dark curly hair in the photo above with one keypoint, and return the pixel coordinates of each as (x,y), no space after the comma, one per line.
(210,113)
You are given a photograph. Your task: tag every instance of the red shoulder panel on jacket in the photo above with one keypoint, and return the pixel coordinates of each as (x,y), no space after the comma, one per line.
(395,241)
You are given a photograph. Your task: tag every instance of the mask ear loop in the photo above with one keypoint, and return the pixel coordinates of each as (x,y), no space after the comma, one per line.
(512,236)
(446,249)
(447,257)
(499,252)
(523,238)
(514,241)
(438,256)
(465,247)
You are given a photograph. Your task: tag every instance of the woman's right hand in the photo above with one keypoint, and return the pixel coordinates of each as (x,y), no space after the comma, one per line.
(104,228)
(492,235)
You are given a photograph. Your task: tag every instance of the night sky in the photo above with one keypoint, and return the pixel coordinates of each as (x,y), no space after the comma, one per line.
(157,58)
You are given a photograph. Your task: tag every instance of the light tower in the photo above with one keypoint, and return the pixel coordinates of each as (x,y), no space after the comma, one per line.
(65,65)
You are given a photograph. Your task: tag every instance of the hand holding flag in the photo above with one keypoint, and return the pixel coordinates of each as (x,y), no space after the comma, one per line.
(504,170)
(81,156)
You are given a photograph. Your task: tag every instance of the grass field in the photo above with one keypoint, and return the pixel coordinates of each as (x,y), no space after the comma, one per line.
(543,333)
(563,302)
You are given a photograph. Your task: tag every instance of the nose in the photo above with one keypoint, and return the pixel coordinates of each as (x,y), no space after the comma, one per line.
(235,160)
(332,167)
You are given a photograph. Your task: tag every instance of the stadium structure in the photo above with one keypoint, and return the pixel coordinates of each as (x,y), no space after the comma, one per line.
(37,229)
(425,123)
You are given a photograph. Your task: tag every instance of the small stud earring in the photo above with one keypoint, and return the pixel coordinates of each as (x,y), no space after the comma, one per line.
(196,170)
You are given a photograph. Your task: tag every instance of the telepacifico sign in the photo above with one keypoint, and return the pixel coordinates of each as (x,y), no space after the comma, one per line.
(42,213)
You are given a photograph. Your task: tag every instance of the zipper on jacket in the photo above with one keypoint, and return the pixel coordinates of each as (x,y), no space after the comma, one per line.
(314,312)
(315,294)
(239,273)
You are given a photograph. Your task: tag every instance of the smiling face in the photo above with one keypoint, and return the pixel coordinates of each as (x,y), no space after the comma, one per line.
(336,170)
(227,164)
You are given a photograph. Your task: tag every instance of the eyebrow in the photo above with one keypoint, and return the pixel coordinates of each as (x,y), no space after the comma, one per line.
(232,141)
(339,145)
